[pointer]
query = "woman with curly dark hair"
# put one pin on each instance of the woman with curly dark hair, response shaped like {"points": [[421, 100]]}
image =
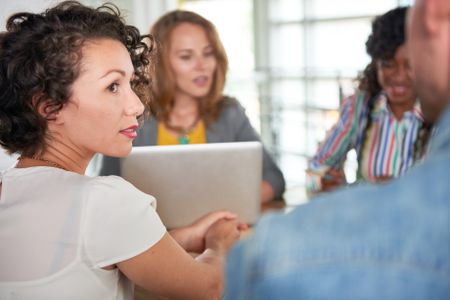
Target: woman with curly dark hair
{"points": [[71, 83], [381, 121]]}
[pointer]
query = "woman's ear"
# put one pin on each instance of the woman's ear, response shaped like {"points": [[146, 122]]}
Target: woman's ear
{"points": [[46, 110]]}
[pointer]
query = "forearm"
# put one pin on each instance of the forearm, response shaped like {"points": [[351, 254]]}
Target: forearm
{"points": [[214, 260], [182, 237], [206, 279], [342, 137], [179, 276]]}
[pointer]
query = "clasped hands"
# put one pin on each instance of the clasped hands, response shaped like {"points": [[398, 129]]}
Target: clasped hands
{"points": [[218, 230]]}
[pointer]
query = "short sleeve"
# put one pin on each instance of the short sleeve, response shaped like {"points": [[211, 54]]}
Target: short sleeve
{"points": [[120, 223]]}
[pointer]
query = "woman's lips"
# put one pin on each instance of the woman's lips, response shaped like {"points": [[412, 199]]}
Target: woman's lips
{"points": [[398, 90], [201, 81], [130, 132]]}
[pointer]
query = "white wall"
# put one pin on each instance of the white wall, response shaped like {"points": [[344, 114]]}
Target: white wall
{"points": [[9, 7], [146, 12]]}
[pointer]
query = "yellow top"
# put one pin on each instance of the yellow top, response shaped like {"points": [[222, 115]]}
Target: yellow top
{"points": [[197, 136]]}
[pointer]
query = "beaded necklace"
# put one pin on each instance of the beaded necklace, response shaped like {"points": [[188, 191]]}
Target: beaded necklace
{"points": [[183, 133], [50, 162]]}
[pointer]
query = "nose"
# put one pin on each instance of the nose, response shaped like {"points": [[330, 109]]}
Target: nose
{"points": [[402, 71], [200, 63], [134, 105]]}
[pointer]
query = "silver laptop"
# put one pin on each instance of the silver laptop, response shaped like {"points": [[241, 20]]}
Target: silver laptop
{"points": [[190, 180]]}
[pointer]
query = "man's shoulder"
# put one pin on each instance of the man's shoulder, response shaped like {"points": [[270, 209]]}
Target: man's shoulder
{"points": [[396, 229]]}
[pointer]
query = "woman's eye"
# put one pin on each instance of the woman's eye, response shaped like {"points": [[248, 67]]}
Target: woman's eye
{"points": [[113, 88], [387, 64], [185, 57], [407, 65], [210, 53]]}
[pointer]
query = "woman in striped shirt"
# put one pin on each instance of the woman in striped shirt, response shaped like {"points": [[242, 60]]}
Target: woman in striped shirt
{"points": [[381, 121]]}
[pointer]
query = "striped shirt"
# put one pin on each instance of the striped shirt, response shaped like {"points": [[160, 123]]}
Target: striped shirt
{"points": [[386, 148]]}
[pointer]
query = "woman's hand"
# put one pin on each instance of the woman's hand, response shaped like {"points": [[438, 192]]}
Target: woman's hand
{"points": [[222, 235], [333, 179], [192, 237], [267, 193]]}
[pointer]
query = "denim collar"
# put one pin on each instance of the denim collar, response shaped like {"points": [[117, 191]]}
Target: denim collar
{"points": [[440, 140]]}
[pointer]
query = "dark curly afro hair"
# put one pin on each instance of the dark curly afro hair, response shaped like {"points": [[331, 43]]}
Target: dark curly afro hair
{"points": [[388, 34], [40, 57]]}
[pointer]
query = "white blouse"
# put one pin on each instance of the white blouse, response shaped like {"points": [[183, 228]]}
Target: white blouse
{"points": [[58, 229]]}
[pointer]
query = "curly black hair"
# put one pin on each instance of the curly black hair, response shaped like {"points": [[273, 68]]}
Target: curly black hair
{"points": [[40, 57], [388, 34]]}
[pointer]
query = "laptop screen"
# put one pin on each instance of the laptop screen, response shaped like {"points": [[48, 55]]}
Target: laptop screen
{"points": [[189, 181]]}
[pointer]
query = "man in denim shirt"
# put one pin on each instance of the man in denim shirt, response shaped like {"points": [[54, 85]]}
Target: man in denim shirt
{"points": [[369, 242]]}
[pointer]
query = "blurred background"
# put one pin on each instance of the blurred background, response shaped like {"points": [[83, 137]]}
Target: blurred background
{"points": [[291, 63]]}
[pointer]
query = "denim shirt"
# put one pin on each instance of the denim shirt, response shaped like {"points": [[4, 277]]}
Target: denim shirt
{"points": [[368, 242]]}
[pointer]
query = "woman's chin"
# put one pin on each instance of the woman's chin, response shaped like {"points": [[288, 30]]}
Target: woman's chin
{"points": [[118, 152]]}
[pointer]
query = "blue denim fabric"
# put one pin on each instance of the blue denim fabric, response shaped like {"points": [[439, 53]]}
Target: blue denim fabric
{"points": [[368, 242]]}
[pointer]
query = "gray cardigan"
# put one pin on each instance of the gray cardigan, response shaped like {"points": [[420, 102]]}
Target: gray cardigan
{"points": [[231, 126]]}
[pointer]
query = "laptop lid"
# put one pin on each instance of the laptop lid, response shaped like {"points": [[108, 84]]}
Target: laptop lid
{"points": [[189, 181]]}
